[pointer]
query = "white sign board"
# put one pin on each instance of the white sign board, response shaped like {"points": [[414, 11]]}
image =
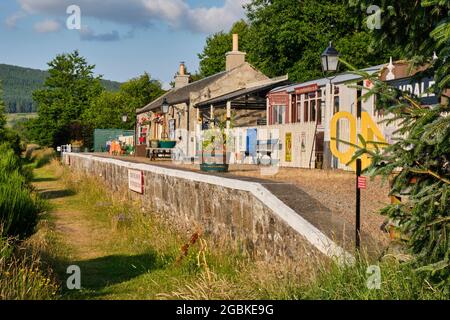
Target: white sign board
{"points": [[136, 181]]}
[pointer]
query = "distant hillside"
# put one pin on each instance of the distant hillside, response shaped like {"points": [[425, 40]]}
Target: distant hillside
{"points": [[19, 83]]}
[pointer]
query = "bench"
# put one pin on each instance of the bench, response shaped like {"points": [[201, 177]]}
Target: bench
{"points": [[159, 153]]}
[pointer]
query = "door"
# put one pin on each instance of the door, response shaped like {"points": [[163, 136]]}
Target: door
{"points": [[252, 137], [320, 137]]}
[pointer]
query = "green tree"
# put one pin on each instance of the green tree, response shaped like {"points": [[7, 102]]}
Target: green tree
{"points": [[68, 91], [419, 160], [106, 110], [212, 59], [6, 135], [413, 30], [289, 36], [2, 110], [285, 36]]}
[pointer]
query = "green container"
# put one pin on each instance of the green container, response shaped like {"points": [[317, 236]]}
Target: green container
{"points": [[215, 167], [167, 144]]}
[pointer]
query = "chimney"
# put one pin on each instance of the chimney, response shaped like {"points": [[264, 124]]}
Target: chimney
{"points": [[235, 58], [182, 78]]}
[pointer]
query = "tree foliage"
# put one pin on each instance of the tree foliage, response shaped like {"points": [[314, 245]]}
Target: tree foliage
{"points": [[20, 83], [6, 135], [419, 160], [106, 110], [67, 93], [212, 59], [284, 36]]}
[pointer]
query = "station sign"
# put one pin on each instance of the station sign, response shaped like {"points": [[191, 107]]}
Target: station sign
{"points": [[418, 88]]}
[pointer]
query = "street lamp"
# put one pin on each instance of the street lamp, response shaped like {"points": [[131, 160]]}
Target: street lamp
{"points": [[165, 106], [124, 118], [330, 59], [165, 111], [330, 64]]}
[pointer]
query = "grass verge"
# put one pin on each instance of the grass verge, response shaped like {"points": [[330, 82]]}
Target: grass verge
{"points": [[125, 252]]}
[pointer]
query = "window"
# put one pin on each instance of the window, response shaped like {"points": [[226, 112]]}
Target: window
{"points": [[313, 110], [336, 105], [312, 105], [279, 114], [299, 108], [172, 128], [305, 110]]}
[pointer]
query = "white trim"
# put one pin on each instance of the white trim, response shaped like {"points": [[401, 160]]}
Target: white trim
{"points": [[314, 236]]}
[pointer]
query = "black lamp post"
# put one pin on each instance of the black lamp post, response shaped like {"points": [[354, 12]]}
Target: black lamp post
{"points": [[330, 59], [330, 64], [165, 107]]}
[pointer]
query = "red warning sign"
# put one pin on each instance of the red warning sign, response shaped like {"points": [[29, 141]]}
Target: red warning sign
{"points": [[362, 182]]}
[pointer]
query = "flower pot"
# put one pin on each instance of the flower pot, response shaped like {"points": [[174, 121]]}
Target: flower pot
{"points": [[167, 144], [209, 163], [214, 167]]}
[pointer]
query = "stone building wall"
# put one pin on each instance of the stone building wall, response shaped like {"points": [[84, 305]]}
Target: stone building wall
{"points": [[225, 209]]}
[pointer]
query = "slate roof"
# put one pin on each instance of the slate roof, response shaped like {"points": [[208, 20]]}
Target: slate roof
{"points": [[340, 78], [241, 92], [180, 95]]}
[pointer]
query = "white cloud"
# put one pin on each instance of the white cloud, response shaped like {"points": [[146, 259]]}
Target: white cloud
{"points": [[177, 14], [47, 26], [214, 19], [88, 35], [12, 20]]}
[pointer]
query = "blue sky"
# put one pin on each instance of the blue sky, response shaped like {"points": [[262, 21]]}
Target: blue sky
{"points": [[123, 38]]}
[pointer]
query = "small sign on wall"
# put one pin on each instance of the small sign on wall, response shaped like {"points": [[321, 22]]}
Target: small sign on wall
{"points": [[136, 181]]}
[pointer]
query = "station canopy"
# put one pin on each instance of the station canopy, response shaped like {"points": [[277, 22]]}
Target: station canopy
{"points": [[252, 97]]}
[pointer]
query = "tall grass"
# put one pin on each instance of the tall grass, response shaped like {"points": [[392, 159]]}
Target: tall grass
{"points": [[19, 207], [205, 269], [398, 281], [22, 276]]}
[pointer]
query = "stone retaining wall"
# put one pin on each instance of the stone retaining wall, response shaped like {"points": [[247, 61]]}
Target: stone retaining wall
{"points": [[244, 213]]}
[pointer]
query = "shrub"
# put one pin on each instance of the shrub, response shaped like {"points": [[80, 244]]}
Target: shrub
{"points": [[9, 161], [19, 208]]}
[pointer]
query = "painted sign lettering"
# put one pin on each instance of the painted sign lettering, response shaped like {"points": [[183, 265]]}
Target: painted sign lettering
{"points": [[418, 88], [369, 131]]}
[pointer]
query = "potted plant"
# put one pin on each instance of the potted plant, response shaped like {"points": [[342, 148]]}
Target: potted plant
{"points": [[154, 143], [215, 156]]}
